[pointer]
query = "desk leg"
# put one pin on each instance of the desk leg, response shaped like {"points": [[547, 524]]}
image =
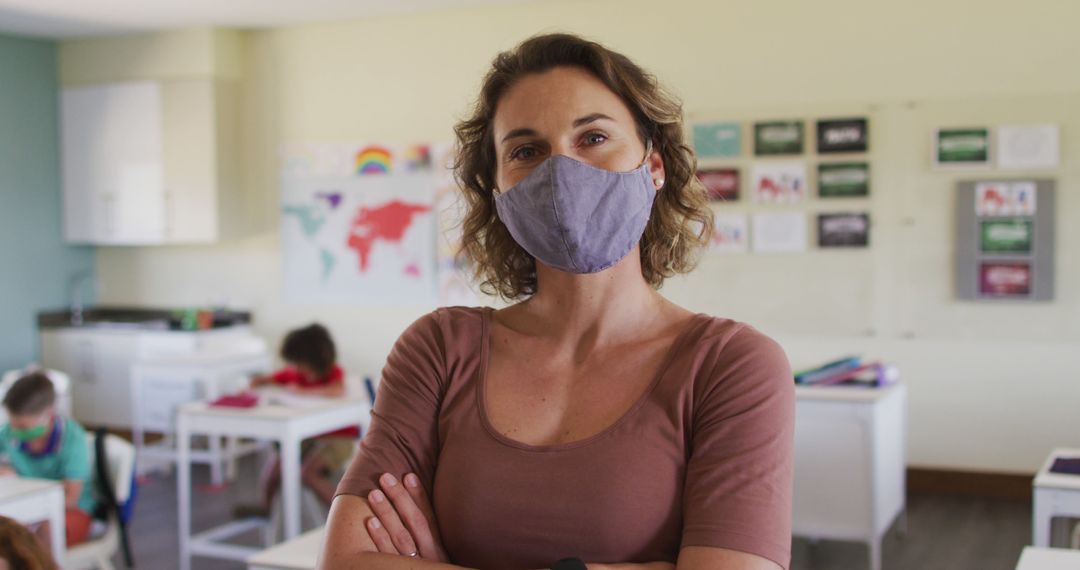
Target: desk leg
{"points": [[57, 528], [214, 444], [183, 489], [875, 553], [1040, 519], [290, 485]]}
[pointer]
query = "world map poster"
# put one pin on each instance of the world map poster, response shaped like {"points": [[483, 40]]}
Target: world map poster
{"points": [[360, 223]]}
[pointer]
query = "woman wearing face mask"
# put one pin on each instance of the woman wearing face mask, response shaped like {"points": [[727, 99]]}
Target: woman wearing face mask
{"points": [[41, 444], [593, 422]]}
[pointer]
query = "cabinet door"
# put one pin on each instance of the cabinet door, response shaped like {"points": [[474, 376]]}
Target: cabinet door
{"points": [[72, 352], [111, 153], [113, 355]]}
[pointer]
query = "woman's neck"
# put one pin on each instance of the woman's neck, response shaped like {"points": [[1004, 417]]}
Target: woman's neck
{"points": [[596, 309]]}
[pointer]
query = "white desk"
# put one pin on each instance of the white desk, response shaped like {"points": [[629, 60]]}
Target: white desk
{"points": [[34, 500], [300, 553], [1055, 495], [850, 461], [286, 425], [1034, 558], [160, 383]]}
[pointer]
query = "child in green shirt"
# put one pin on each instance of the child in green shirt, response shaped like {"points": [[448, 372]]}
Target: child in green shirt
{"points": [[37, 443]]}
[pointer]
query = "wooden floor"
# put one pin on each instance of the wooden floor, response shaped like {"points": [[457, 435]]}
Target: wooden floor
{"points": [[946, 533]]}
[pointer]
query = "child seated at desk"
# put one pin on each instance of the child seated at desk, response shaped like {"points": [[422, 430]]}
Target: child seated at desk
{"points": [[311, 369], [40, 444]]}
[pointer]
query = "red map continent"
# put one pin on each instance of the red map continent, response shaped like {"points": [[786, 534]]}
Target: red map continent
{"points": [[388, 222]]}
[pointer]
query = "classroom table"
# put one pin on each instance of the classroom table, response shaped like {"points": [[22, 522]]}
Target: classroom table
{"points": [[159, 383], [1036, 558], [1055, 495], [850, 461], [286, 424], [300, 553], [34, 500]]}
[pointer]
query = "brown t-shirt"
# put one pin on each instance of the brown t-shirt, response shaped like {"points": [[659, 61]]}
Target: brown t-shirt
{"points": [[704, 458]]}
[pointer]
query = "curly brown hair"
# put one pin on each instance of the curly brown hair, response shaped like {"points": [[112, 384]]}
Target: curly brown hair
{"points": [[21, 549], [681, 221]]}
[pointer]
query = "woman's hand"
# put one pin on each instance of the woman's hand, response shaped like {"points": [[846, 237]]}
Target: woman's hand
{"points": [[404, 522]]}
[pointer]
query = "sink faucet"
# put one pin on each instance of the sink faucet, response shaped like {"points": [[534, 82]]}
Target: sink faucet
{"points": [[76, 285]]}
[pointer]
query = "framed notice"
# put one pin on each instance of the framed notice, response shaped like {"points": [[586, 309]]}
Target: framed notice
{"points": [[841, 135], [778, 138], [717, 140], [721, 184], [1010, 279], [962, 148], [1006, 236], [844, 180], [843, 230]]}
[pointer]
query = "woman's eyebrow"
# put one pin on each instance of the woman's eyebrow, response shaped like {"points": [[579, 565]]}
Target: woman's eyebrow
{"points": [[519, 133], [593, 117], [526, 132]]}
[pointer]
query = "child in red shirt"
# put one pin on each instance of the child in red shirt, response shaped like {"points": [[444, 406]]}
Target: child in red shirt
{"points": [[311, 369]]}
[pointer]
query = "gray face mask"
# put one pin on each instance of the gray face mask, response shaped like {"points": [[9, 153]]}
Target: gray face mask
{"points": [[575, 217]]}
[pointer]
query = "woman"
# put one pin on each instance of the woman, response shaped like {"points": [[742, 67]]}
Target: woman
{"points": [[594, 422]]}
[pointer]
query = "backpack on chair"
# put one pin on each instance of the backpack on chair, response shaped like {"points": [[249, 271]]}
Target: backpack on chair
{"points": [[110, 506]]}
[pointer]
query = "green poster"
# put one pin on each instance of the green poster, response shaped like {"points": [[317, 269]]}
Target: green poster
{"points": [[778, 137], [963, 146], [717, 140], [843, 179], [1005, 236]]}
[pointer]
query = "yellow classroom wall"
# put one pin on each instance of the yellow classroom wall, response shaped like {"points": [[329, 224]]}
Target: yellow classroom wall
{"points": [[993, 387]]}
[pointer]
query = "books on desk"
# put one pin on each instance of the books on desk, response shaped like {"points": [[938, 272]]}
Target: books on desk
{"points": [[849, 371], [1066, 465]]}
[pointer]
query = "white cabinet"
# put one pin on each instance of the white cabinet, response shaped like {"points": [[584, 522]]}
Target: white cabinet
{"points": [[850, 461], [147, 162], [99, 362]]}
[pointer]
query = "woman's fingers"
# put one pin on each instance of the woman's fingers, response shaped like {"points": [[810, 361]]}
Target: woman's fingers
{"points": [[415, 520], [379, 536], [391, 522], [419, 496]]}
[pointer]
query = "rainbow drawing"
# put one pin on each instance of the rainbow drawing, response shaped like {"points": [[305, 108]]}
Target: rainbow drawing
{"points": [[373, 160]]}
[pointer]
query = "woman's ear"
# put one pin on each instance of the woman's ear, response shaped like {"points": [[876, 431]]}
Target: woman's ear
{"points": [[656, 168]]}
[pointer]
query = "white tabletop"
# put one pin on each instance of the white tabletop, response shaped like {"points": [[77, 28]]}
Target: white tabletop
{"points": [[32, 500], [1035, 558], [297, 554], [273, 406], [1044, 478], [12, 487], [840, 393]]}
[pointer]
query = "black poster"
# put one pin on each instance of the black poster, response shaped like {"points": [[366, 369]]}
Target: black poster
{"points": [[843, 230], [841, 135]]}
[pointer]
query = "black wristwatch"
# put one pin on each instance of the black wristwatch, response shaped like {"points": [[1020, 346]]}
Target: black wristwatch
{"points": [[569, 564]]}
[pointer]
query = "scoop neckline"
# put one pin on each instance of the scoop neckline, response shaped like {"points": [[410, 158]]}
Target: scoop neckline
{"points": [[481, 391]]}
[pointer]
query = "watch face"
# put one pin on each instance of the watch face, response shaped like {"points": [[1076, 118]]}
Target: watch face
{"points": [[570, 564]]}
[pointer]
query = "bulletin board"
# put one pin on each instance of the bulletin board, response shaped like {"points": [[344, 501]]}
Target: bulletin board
{"points": [[903, 284]]}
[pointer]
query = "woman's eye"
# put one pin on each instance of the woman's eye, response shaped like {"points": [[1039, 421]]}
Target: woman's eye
{"points": [[595, 138], [523, 153]]}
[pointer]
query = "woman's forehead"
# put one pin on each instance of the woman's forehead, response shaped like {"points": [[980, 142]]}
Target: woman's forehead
{"points": [[556, 99]]}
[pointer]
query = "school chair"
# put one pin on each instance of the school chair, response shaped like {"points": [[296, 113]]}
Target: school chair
{"points": [[97, 552]]}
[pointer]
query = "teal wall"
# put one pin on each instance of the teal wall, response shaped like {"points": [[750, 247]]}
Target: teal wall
{"points": [[35, 263]]}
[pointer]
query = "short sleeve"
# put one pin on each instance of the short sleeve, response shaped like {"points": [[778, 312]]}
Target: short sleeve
{"points": [[739, 477], [75, 457], [285, 376], [403, 437]]}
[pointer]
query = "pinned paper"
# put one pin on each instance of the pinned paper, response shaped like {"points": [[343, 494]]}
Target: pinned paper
{"points": [[782, 232], [1005, 199], [779, 182]]}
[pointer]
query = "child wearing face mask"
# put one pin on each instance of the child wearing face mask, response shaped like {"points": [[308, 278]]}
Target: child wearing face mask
{"points": [[38, 443], [310, 369]]}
